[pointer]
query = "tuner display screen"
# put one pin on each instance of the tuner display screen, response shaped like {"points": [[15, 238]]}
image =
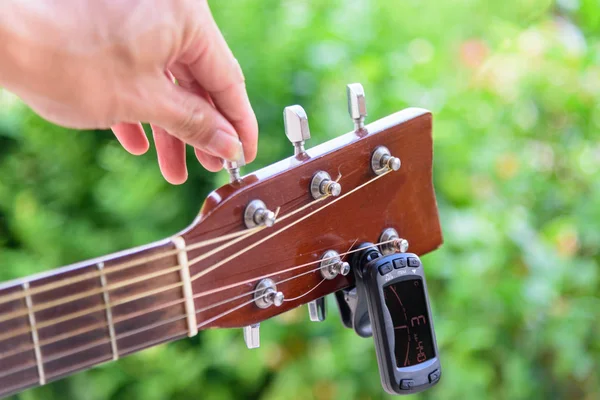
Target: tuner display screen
{"points": [[406, 303]]}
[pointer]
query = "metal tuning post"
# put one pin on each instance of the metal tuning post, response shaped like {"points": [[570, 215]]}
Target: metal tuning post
{"points": [[233, 166], [357, 106], [392, 243], [316, 310], [266, 294], [383, 161], [332, 265], [322, 185], [252, 336], [296, 127], [257, 214]]}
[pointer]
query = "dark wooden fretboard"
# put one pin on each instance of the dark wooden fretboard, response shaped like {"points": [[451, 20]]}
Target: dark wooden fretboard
{"points": [[49, 330]]}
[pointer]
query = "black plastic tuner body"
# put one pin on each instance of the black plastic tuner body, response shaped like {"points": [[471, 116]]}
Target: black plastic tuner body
{"points": [[392, 291]]}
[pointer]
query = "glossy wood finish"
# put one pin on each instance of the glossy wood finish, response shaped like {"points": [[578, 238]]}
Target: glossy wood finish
{"points": [[403, 200]]}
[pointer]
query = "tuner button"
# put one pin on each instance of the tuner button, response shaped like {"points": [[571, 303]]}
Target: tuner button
{"points": [[322, 185], [316, 310], [252, 336], [357, 106], [257, 214], [296, 127], [233, 166]]}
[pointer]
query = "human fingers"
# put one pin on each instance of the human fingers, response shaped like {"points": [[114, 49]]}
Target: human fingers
{"points": [[132, 137], [171, 156], [213, 65], [192, 119], [211, 163]]}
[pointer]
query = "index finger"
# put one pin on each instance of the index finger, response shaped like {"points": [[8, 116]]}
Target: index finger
{"points": [[214, 67]]}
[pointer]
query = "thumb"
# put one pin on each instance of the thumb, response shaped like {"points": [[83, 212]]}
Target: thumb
{"points": [[195, 121]]}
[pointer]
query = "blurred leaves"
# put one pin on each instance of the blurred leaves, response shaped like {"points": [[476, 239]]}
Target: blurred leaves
{"points": [[514, 87]]}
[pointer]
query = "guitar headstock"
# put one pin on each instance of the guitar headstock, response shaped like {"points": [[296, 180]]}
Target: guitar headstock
{"points": [[327, 198]]}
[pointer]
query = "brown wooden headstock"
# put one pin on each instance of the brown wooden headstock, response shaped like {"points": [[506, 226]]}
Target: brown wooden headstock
{"points": [[402, 199]]}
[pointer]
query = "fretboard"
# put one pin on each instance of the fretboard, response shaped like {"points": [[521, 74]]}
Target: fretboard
{"points": [[70, 319]]}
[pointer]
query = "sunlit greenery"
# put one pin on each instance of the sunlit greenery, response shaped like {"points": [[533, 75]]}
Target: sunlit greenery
{"points": [[514, 87]]}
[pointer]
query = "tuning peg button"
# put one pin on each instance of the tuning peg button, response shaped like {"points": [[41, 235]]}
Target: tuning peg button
{"points": [[252, 336], [357, 106], [316, 310], [296, 127], [233, 166]]}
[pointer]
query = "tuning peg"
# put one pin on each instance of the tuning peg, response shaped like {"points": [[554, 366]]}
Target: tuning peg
{"points": [[257, 214], [392, 242], [252, 336], [316, 310], [322, 185], [357, 106], [233, 166], [383, 161], [296, 127]]}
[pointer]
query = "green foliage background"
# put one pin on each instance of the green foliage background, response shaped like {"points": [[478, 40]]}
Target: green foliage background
{"points": [[514, 89]]}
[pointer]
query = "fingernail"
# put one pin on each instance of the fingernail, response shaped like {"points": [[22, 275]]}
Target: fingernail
{"points": [[225, 145]]}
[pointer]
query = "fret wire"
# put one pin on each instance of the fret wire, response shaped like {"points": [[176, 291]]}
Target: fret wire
{"points": [[71, 334], [34, 334], [109, 316], [188, 293], [237, 307], [90, 311], [92, 292], [202, 294], [246, 234], [121, 267], [158, 324], [171, 320], [101, 360]]}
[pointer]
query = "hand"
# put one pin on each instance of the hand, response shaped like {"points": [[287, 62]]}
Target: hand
{"points": [[103, 63]]}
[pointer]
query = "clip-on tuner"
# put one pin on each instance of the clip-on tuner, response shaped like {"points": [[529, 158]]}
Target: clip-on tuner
{"points": [[390, 303]]}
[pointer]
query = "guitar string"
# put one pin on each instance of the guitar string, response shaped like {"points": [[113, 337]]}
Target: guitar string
{"points": [[7, 316], [246, 234], [143, 260], [357, 188], [104, 341], [123, 266], [70, 334], [253, 245], [120, 267], [100, 308]]}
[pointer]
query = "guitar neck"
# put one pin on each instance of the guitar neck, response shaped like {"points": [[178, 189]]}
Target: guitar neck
{"points": [[70, 319]]}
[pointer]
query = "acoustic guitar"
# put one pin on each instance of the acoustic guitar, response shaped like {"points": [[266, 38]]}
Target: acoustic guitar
{"points": [[264, 244]]}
